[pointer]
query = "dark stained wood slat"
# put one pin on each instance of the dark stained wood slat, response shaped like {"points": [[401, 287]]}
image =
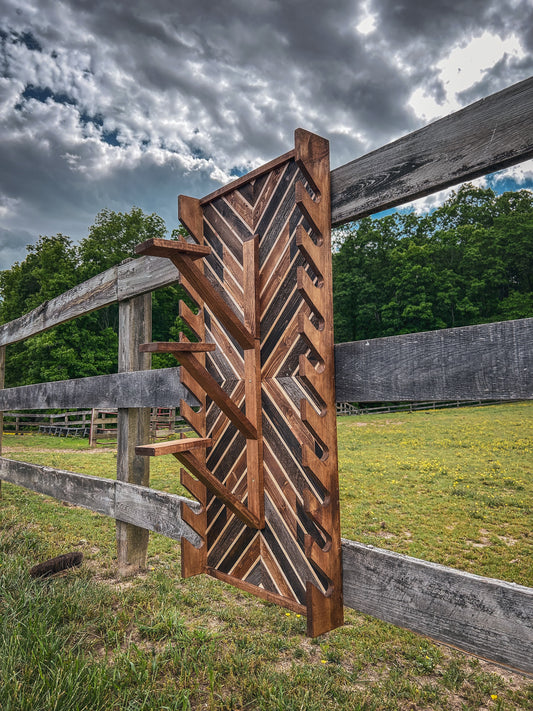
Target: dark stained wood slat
{"points": [[492, 361], [486, 136]]}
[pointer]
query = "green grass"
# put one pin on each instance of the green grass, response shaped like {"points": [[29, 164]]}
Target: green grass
{"points": [[450, 486]]}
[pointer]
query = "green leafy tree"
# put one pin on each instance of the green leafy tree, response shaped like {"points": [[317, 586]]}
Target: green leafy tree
{"points": [[89, 344], [469, 261]]}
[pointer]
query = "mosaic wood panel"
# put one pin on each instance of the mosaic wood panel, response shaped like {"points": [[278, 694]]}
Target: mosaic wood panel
{"points": [[260, 275]]}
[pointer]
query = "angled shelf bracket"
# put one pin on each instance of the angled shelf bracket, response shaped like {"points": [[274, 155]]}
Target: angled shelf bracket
{"points": [[260, 365]]}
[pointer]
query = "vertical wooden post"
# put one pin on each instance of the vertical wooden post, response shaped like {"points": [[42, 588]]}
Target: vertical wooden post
{"points": [[133, 428], [92, 431], [2, 377]]}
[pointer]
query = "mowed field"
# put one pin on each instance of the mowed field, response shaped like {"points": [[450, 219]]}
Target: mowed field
{"points": [[451, 486]]}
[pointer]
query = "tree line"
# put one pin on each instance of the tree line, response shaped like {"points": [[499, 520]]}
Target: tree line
{"points": [[469, 261], [87, 345]]}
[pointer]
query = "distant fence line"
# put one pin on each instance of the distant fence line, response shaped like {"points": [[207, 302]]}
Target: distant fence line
{"points": [[90, 424], [352, 408]]}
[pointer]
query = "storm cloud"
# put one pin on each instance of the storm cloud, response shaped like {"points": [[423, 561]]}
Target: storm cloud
{"points": [[106, 104]]}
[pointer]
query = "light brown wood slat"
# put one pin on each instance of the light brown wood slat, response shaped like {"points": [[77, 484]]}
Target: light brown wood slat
{"points": [[213, 389], [178, 445], [235, 184], [169, 248], [325, 609], [177, 347], [231, 501], [194, 560], [213, 299]]}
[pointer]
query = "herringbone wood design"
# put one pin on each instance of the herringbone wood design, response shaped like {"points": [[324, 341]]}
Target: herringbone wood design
{"points": [[295, 558]]}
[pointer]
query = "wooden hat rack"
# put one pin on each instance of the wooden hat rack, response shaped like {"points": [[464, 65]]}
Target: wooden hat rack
{"points": [[264, 464]]}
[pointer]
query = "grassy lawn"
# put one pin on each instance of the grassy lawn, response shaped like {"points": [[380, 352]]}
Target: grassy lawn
{"points": [[452, 486]]}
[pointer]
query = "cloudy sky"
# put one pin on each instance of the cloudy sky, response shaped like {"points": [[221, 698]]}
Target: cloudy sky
{"points": [[115, 103]]}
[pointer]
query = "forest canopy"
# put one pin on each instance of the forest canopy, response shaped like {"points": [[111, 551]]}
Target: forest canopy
{"points": [[469, 261], [89, 344]]}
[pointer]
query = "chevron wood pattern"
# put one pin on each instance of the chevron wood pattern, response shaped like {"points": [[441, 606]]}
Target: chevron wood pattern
{"points": [[264, 298]]}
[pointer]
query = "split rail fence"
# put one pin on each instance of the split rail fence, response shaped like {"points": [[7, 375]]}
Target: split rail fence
{"points": [[489, 618]]}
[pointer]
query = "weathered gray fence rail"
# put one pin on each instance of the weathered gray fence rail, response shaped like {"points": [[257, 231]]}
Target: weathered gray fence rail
{"points": [[142, 388], [493, 361], [149, 509], [490, 618], [487, 617], [491, 134], [129, 279]]}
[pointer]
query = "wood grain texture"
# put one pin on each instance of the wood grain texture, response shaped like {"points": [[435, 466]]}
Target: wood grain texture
{"points": [[257, 282], [493, 361], [150, 388], [134, 277], [138, 505], [179, 445], [489, 618], [133, 427], [489, 135], [168, 248]]}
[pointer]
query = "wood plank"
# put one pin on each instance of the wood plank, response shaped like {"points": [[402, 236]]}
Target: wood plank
{"points": [[153, 510], [133, 426], [177, 445], [486, 136], [150, 388], [252, 175], [492, 361], [139, 276], [177, 347], [167, 248], [486, 617], [133, 277], [199, 469]]}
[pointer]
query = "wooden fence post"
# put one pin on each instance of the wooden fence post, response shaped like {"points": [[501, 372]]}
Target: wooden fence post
{"points": [[133, 428]]}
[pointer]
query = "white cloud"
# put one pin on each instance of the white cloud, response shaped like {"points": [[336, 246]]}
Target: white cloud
{"points": [[464, 66], [120, 104]]}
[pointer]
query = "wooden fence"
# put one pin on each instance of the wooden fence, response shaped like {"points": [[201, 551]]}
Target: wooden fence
{"points": [[90, 424], [490, 618]]}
